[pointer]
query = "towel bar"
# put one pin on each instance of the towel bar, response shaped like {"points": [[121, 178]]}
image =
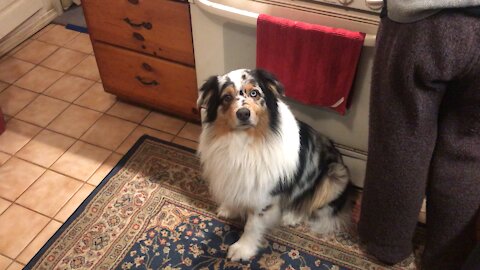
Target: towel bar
{"points": [[249, 18]]}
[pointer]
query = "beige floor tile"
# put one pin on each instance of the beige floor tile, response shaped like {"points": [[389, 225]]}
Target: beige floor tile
{"points": [[17, 175], [108, 132], [81, 43], [49, 193], [87, 69], [14, 99], [128, 112], [187, 143], [81, 160], [96, 98], [38, 79], [163, 122], [11, 69], [17, 135], [74, 203], [18, 227], [69, 88], [139, 132], [45, 148], [4, 262], [4, 157], [3, 86], [74, 121], [16, 266], [42, 110], [191, 132], [42, 31], [63, 59], [106, 167], [19, 47], [4, 204], [35, 52], [38, 242], [58, 35]]}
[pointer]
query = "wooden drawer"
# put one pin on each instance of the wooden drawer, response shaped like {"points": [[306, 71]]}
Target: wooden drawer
{"points": [[148, 80], [156, 27]]}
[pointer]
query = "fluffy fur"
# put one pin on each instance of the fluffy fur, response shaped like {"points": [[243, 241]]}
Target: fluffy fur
{"points": [[264, 165]]}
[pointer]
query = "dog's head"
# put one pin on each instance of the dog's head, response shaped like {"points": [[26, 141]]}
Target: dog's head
{"points": [[241, 100]]}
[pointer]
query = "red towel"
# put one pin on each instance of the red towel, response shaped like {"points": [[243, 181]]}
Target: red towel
{"points": [[315, 63]]}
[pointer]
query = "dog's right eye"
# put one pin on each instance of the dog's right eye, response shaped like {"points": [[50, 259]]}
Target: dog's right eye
{"points": [[227, 98]]}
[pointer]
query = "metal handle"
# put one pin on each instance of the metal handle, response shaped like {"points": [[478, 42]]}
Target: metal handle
{"points": [[145, 25], [231, 14], [374, 4], [133, 2], [140, 79]]}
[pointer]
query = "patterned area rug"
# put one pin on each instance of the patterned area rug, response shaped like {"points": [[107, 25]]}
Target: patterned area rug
{"points": [[153, 211]]}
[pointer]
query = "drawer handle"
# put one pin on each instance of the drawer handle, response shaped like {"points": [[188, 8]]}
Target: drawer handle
{"points": [[140, 79], [145, 25], [134, 2], [138, 36]]}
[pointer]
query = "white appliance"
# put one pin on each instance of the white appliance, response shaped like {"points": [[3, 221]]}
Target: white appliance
{"points": [[364, 5], [224, 36], [19, 19]]}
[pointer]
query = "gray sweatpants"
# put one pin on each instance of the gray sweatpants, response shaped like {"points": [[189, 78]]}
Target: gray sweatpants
{"points": [[424, 139]]}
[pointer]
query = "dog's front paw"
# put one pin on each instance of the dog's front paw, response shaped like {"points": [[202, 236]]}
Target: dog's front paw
{"points": [[240, 251], [290, 219], [226, 213]]}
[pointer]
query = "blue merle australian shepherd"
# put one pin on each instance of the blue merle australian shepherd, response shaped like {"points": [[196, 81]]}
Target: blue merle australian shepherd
{"points": [[264, 165]]}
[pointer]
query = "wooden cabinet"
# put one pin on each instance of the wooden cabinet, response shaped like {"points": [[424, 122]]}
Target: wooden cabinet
{"points": [[144, 52]]}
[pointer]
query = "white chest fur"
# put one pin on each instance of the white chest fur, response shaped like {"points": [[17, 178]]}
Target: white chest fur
{"points": [[241, 170]]}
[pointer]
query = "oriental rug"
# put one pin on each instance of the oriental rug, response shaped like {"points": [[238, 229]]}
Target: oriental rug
{"points": [[153, 211]]}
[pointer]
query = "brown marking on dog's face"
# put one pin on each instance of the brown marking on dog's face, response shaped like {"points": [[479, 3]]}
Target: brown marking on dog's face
{"points": [[259, 113], [221, 127], [248, 87], [226, 112], [227, 97]]}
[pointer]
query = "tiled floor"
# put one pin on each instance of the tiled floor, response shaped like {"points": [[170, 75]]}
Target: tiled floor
{"points": [[59, 143]]}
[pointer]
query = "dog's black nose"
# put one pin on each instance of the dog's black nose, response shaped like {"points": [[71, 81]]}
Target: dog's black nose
{"points": [[243, 114]]}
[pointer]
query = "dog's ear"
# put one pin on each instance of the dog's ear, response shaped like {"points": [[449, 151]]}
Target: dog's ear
{"points": [[208, 99], [206, 91], [270, 81]]}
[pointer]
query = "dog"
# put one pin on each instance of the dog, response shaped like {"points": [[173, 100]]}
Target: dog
{"points": [[264, 165]]}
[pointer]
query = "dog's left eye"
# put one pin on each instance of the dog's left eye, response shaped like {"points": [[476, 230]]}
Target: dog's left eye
{"points": [[254, 93]]}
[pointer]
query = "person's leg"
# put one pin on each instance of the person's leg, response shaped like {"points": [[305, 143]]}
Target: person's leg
{"points": [[413, 63], [453, 193], [473, 261]]}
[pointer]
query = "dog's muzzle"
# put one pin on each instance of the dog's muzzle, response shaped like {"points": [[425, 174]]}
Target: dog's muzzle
{"points": [[243, 114]]}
